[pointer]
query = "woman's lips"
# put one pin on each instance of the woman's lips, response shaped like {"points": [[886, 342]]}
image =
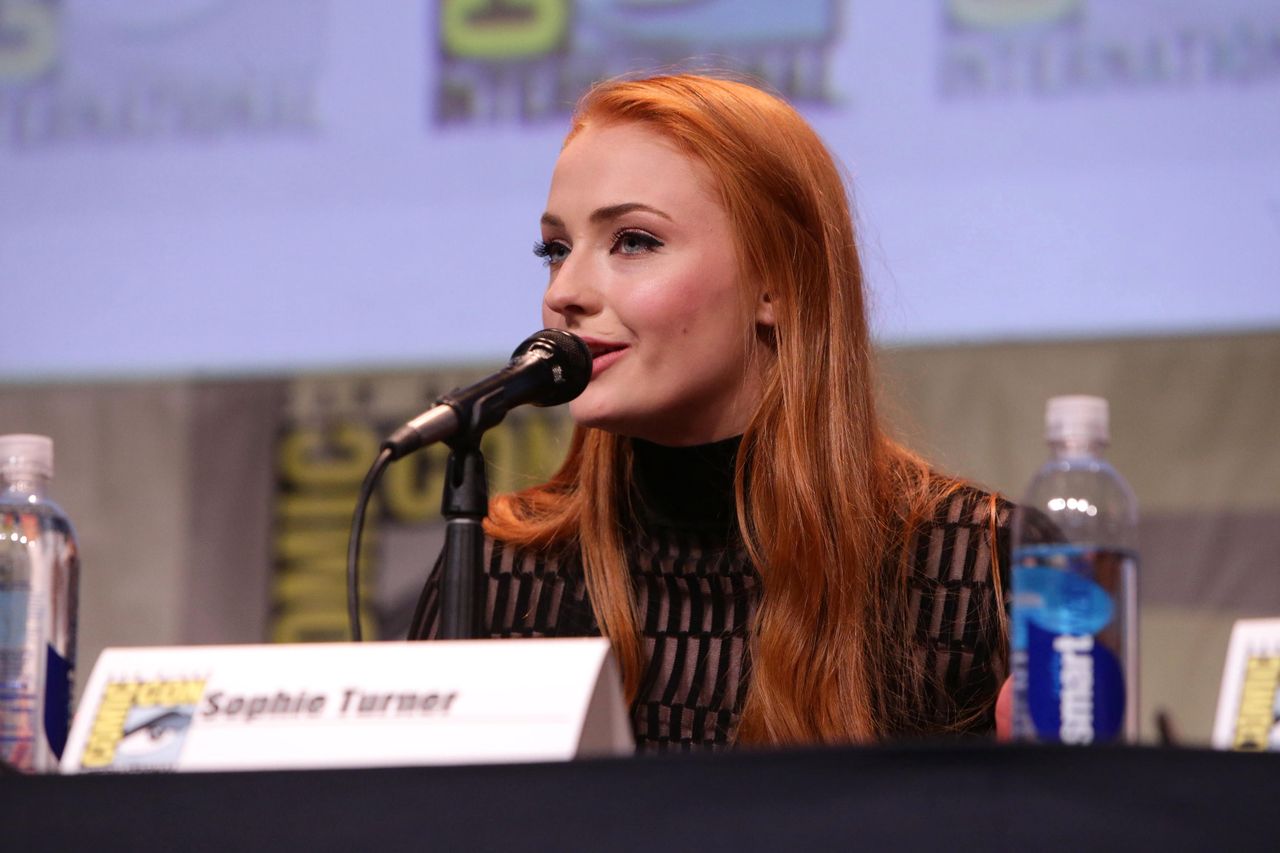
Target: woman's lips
{"points": [[601, 362], [603, 355]]}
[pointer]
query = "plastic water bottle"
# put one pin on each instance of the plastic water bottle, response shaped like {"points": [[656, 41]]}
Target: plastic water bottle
{"points": [[39, 572], [1075, 626]]}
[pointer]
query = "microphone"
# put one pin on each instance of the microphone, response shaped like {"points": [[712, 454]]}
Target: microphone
{"points": [[551, 367]]}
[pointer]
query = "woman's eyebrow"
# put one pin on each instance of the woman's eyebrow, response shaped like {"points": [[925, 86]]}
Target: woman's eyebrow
{"points": [[606, 214], [613, 211]]}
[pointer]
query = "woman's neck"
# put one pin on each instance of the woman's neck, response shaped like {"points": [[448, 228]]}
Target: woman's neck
{"points": [[686, 487]]}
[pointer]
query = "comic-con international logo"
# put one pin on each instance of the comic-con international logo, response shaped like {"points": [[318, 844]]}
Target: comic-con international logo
{"points": [[511, 61], [1258, 720], [138, 70], [1057, 48], [141, 725]]}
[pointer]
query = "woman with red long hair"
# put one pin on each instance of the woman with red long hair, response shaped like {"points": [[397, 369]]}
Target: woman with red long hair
{"points": [[769, 566]]}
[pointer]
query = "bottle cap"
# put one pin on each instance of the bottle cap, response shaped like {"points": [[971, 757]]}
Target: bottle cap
{"points": [[1077, 417], [26, 454]]}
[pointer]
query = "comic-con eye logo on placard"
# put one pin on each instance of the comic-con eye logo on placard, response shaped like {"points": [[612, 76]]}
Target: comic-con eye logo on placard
{"points": [[1080, 48], [141, 725], [137, 70], [516, 61]]}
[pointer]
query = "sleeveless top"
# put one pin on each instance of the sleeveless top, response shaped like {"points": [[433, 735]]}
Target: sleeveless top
{"points": [[696, 594]]}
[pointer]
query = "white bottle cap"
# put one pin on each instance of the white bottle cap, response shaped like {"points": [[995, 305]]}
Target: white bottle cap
{"points": [[22, 454], [1077, 418]]}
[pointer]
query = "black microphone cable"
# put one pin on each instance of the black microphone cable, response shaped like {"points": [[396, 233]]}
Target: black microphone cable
{"points": [[353, 542]]}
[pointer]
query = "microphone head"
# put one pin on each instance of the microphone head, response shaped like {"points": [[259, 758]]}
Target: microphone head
{"points": [[569, 361]]}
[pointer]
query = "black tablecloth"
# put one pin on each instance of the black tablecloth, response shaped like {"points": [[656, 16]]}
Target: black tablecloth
{"points": [[957, 797]]}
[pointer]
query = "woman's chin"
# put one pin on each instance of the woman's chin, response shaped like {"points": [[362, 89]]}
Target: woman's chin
{"points": [[589, 410]]}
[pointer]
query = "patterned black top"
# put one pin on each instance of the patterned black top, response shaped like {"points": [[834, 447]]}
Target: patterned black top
{"points": [[697, 592]]}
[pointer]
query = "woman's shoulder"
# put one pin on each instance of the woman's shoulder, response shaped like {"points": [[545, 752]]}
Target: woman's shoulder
{"points": [[967, 533], [968, 504], [502, 556], [527, 592], [971, 505], [970, 528]]}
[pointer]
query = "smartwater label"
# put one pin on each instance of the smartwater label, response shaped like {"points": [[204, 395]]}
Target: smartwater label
{"points": [[1067, 645]]}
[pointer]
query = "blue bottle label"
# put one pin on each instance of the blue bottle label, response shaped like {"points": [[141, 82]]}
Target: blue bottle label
{"points": [[1069, 678], [57, 700]]}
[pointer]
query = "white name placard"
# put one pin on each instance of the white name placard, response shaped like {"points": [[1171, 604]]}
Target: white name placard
{"points": [[348, 705], [1248, 715]]}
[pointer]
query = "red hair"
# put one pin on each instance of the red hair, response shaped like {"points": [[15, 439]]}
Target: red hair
{"points": [[831, 503]]}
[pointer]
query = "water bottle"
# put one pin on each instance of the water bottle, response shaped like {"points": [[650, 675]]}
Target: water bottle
{"points": [[39, 572], [1074, 621]]}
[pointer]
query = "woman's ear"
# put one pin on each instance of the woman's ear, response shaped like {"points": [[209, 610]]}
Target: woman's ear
{"points": [[764, 310]]}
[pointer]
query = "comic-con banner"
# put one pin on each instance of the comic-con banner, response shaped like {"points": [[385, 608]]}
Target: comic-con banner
{"points": [[520, 61], [130, 73], [330, 436], [992, 49]]}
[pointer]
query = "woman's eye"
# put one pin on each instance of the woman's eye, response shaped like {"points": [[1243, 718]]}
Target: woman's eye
{"points": [[634, 242], [552, 252]]}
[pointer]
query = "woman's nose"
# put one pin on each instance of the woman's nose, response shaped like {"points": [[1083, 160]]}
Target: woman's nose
{"points": [[571, 292]]}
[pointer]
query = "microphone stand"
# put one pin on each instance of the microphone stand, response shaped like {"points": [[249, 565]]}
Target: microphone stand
{"points": [[464, 506], [549, 368]]}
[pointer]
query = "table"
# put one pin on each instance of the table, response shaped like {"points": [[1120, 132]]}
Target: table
{"points": [[958, 796]]}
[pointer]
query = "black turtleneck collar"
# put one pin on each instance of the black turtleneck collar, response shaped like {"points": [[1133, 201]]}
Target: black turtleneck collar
{"points": [[686, 487]]}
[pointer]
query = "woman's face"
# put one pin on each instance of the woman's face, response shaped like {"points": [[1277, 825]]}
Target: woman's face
{"points": [[643, 268]]}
